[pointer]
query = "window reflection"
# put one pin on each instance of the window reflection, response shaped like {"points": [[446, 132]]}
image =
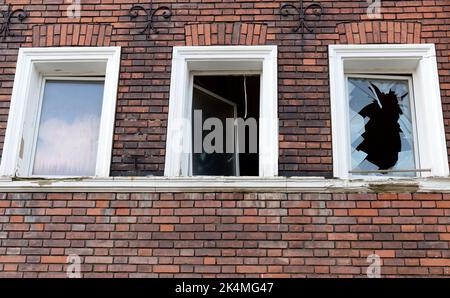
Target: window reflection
{"points": [[69, 128]]}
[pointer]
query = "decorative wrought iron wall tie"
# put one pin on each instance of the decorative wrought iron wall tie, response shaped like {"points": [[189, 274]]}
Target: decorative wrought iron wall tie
{"points": [[7, 16], [150, 14], [302, 12]]}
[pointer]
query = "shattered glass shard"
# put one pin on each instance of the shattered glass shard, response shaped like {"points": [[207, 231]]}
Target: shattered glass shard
{"points": [[381, 124]]}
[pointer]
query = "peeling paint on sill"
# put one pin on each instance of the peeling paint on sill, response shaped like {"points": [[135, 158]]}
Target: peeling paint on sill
{"points": [[49, 181], [394, 188], [223, 184]]}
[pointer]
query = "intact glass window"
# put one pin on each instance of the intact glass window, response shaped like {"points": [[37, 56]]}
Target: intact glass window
{"points": [[382, 125], [68, 128], [61, 117]]}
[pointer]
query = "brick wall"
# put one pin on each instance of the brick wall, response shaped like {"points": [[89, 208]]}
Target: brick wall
{"points": [[304, 112], [224, 234]]}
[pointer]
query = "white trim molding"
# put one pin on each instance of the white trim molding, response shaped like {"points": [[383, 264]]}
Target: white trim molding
{"points": [[33, 65], [223, 184], [417, 60], [227, 60]]}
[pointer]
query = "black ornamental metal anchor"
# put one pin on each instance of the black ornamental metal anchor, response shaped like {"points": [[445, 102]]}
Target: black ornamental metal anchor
{"points": [[302, 12], [8, 15], [151, 15]]}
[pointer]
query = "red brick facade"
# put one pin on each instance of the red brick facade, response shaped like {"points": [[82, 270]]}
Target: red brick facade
{"points": [[224, 234], [305, 126]]}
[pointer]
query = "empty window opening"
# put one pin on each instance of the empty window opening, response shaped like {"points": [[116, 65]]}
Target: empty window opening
{"points": [[382, 125], [225, 113]]}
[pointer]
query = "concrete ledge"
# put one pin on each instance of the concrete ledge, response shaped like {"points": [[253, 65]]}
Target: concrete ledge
{"points": [[225, 184]]}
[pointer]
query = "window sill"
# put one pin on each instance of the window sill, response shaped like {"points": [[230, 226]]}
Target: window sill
{"points": [[225, 184]]}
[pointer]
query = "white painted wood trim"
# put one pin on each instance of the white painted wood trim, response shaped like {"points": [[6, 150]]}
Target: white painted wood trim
{"points": [[419, 60], [230, 59], [107, 124], [26, 74]]}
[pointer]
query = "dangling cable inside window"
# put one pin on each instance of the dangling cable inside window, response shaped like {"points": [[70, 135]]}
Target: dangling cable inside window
{"points": [[245, 96]]}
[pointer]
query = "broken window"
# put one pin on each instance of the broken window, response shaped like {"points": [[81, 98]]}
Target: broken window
{"points": [[382, 125], [225, 113], [69, 125]]}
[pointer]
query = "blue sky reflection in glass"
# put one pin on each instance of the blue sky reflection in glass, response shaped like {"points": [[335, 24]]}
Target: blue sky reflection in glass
{"points": [[69, 128]]}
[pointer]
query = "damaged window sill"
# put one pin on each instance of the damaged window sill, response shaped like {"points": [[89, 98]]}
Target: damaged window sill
{"points": [[224, 184]]}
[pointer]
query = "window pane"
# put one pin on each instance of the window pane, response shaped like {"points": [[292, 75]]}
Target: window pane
{"points": [[213, 164], [69, 128], [381, 126]]}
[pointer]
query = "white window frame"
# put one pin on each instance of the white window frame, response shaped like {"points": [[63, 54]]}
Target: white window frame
{"points": [[34, 67], [417, 60], [221, 60]]}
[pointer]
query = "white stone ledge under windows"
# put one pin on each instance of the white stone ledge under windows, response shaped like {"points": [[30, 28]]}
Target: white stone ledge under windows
{"points": [[224, 184]]}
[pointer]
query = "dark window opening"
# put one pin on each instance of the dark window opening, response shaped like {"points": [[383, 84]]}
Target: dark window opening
{"points": [[227, 97]]}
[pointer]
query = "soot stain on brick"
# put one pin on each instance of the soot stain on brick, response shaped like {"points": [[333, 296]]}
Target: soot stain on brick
{"points": [[382, 140]]}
